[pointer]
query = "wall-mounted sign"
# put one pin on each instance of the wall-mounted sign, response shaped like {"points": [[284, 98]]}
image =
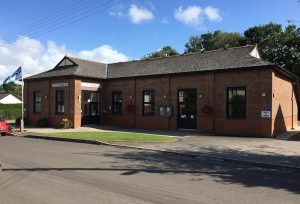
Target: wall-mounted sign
{"points": [[165, 111], [268, 107], [90, 86], [265, 114], [60, 85]]}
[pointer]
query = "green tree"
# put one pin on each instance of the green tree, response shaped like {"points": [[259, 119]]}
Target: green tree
{"points": [[164, 52], [276, 45], [11, 87], [213, 41]]}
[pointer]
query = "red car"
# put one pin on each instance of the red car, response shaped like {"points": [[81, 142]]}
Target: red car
{"points": [[3, 127]]}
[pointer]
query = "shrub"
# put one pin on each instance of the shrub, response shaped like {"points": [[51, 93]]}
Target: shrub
{"points": [[42, 122], [66, 123], [10, 111]]}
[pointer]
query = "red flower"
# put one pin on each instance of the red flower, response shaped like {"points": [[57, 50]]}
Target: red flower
{"points": [[206, 110], [128, 109]]}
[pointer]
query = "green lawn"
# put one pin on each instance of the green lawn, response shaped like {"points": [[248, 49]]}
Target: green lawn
{"points": [[111, 136]]}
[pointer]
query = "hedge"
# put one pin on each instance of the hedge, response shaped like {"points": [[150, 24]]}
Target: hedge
{"points": [[10, 111]]}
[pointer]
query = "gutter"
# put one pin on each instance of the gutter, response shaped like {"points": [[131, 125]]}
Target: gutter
{"points": [[287, 73]]}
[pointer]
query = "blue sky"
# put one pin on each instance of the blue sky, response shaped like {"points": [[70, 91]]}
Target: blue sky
{"points": [[129, 30]]}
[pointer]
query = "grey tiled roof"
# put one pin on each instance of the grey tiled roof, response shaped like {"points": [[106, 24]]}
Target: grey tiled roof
{"points": [[3, 95], [232, 58], [83, 68]]}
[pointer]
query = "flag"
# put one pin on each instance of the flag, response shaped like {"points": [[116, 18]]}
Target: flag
{"points": [[17, 75]]}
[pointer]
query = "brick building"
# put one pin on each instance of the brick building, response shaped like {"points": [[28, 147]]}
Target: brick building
{"points": [[229, 91]]}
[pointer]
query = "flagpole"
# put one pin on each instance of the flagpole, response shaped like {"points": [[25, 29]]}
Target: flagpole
{"points": [[22, 119]]}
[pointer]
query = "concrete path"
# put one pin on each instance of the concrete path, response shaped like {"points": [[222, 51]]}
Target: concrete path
{"points": [[260, 150]]}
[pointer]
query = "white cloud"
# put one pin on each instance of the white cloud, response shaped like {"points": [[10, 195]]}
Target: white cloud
{"points": [[36, 57], [195, 15], [213, 14], [104, 53], [192, 15], [138, 15]]}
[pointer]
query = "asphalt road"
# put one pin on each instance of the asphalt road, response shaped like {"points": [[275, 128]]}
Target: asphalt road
{"points": [[39, 171]]}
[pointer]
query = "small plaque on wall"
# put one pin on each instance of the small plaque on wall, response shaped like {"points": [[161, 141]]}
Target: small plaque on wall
{"points": [[165, 111], [265, 114], [60, 85]]}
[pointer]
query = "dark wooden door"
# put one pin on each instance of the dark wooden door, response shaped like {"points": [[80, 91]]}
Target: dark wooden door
{"points": [[187, 109], [90, 108]]}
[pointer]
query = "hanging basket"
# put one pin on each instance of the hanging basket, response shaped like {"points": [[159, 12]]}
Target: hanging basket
{"points": [[128, 109], [207, 110]]}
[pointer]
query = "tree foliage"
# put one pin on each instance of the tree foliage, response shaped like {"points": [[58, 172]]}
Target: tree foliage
{"points": [[11, 87], [164, 52], [213, 41], [277, 45]]}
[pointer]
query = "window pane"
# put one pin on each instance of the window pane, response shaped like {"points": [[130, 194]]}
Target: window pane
{"points": [[148, 103], [90, 96], [236, 95], [236, 110], [117, 97], [147, 108], [60, 102], [37, 99], [37, 108], [236, 107], [117, 102], [147, 98], [181, 96]]}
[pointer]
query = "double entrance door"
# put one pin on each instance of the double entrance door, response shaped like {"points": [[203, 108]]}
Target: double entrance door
{"points": [[187, 109], [90, 108]]}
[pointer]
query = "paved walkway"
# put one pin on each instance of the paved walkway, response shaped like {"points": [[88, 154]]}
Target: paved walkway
{"points": [[261, 150]]}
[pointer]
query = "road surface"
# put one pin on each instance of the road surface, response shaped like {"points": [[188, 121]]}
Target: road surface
{"points": [[39, 171]]}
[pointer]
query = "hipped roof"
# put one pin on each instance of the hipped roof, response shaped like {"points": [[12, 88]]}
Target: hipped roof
{"points": [[225, 59]]}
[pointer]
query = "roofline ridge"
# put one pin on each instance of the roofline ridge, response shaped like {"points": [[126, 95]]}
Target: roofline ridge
{"points": [[90, 60], [187, 54]]}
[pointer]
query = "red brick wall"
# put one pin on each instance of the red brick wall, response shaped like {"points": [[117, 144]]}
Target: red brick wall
{"points": [[257, 82], [48, 100], [211, 90], [127, 88]]}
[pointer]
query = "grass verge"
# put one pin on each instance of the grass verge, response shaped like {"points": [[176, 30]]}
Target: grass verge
{"points": [[108, 136]]}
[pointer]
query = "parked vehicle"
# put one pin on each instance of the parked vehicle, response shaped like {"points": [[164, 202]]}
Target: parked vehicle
{"points": [[3, 126]]}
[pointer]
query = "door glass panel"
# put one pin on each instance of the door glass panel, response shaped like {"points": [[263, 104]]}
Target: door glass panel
{"points": [[181, 96], [94, 109], [90, 96], [187, 108], [86, 110]]}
